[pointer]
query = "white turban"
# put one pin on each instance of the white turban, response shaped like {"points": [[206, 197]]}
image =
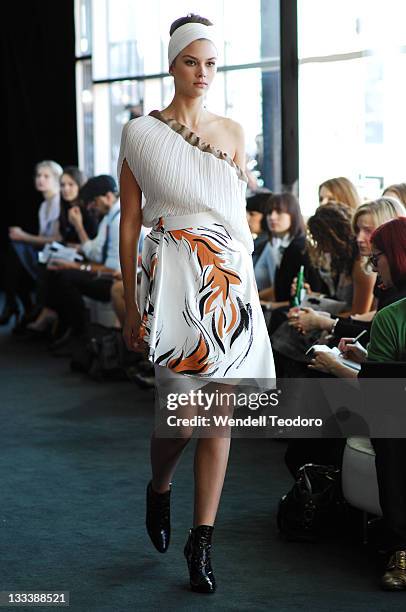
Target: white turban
{"points": [[186, 34]]}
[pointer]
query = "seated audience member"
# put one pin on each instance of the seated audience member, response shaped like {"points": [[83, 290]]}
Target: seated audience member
{"points": [[343, 273], [339, 190], [21, 263], [388, 332], [397, 191], [71, 181], [257, 209], [330, 231], [367, 218], [72, 280], [387, 344], [284, 252]]}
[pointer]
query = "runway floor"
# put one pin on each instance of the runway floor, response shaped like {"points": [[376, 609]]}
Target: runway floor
{"points": [[73, 468]]}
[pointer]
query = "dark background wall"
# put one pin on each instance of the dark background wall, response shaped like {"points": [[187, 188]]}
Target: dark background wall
{"points": [[38, 114]]}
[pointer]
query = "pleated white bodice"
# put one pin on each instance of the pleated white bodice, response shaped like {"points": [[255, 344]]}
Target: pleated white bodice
{"points": [[179, 174]]}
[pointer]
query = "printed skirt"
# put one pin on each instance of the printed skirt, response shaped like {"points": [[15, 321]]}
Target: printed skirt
{"points": [[201, 314]]}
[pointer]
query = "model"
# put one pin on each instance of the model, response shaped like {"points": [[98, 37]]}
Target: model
{"points": [[199, 314]]}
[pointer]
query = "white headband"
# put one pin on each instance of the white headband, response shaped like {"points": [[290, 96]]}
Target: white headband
{"points": [[186, 34]]}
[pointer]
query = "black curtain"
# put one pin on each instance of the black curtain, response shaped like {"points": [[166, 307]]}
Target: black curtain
{"points": [[38, 118]]}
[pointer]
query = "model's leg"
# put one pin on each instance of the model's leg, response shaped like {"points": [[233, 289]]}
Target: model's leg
{"points": [[211, 458], [165, 454], [210, 466]]}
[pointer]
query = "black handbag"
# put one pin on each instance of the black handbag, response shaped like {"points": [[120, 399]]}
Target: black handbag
{"points": [[103, 355], [313, 505]]}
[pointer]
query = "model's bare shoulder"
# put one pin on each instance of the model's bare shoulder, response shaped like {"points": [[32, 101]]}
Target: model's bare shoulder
{"points": [[238, 137]]}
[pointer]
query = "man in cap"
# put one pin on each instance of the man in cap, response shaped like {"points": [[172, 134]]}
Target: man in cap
{"points": [[93, 278]]}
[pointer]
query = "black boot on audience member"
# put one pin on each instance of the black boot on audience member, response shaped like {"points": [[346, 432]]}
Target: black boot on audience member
{"points": [[394, 579], [158, 518], [197, 552]]}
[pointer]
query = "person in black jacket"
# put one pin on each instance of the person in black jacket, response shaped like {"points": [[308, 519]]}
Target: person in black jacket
{"points": [[72, 180], [284, 253]]}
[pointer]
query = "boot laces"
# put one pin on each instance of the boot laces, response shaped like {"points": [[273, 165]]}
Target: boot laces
{"points": [[401, 559]]}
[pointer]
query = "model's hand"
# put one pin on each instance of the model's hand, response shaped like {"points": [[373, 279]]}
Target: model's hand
{"points": [[18, 234], [323, 362], [355, 352], [117, 275], [75, 216], [132, 330]]}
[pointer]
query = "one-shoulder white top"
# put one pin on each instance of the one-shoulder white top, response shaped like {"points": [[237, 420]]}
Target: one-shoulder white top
{"points": [[179, 174]]}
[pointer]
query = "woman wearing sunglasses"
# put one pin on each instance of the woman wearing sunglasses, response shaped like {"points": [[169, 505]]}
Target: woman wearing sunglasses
{"points": [[387, 344]]}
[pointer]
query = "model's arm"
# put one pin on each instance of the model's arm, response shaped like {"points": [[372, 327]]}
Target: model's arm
{"points": [[130, 228]]}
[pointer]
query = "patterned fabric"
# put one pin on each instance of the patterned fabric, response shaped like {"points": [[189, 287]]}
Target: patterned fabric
{"points": [[199, 302], [198, 297]]}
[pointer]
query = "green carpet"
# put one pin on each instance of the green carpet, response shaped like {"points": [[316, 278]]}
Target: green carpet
{"points": [[73, 468]]}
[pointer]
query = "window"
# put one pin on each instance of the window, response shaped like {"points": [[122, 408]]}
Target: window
{"points": [[352, 58], [127, 55]]}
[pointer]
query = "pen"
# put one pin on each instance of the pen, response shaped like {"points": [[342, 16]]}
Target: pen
{"points": [[364, 331]]}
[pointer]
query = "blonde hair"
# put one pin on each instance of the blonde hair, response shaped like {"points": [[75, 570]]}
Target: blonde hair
{"points": [[54, 167], [381, 210], [399, 189], [343, 191]]}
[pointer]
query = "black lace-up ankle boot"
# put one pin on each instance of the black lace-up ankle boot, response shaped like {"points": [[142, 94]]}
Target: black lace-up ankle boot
{"points": [[158, 518], [197, 553]]}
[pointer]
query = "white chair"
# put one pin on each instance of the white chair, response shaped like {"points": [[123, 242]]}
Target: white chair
{"points": [[102, 313], [359, 482]]}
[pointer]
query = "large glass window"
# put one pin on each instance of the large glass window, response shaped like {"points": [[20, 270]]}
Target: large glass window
{"points": [[128, 45], [352, 58]]}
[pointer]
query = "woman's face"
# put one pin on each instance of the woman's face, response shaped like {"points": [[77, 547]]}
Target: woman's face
{"points": [[380, 264], [254, 218], [45, 180], [325, 195], [279, 222], [365, 228], [194, 68], [69, 188]]}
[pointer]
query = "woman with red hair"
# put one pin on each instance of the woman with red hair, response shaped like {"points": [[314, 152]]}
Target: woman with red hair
{"points": [[388, 344]]}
